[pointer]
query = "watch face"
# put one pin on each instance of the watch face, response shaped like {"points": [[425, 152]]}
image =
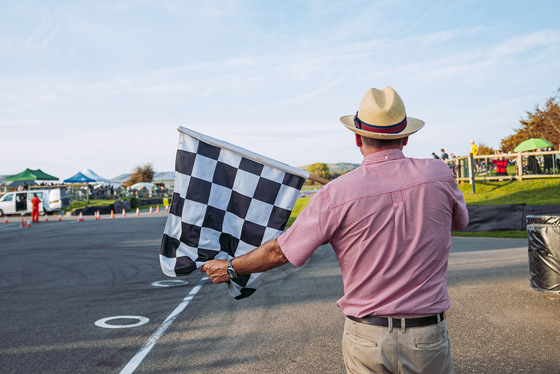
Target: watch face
{"points": [[231, 270]]}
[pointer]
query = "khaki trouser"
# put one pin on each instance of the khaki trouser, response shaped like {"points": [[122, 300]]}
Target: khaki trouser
{"points": [[378, 349]]}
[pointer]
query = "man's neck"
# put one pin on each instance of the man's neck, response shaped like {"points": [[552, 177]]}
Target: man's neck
{"points": [[366, 151]]}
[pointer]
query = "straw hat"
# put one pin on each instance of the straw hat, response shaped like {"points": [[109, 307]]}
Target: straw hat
{"points": [[382, 116]]}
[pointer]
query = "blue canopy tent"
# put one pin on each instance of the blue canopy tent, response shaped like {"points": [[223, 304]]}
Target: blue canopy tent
{"points": [[79, 178]]}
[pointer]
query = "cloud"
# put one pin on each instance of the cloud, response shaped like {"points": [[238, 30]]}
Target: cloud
{"points": [[527, 44], [43, 35]]}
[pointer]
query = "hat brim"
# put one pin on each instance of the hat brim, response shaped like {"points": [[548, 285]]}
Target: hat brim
{"points": [[412, 125]]}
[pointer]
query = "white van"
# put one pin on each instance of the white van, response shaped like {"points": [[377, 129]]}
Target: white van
{"points": [[19, 202]]}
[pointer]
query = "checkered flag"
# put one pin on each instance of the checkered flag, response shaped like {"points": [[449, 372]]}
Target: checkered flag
{"points": [[226, 202]]}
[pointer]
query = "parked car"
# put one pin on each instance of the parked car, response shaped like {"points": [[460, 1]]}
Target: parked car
{"points": [[19, 202]]}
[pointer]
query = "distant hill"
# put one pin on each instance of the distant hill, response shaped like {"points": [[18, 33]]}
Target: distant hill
{"points": [[340, 167]]}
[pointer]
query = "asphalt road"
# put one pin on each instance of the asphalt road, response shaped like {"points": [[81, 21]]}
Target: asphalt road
{"points": [[58, 279]]}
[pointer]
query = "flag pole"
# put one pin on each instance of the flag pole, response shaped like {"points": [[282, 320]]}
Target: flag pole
{"points": [[318, 179]]}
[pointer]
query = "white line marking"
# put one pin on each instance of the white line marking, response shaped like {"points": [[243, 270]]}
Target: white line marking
{"points": [[170, 283], [103, 322], [147, 347]]}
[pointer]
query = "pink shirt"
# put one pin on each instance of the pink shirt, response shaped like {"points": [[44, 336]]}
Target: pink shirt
{"points": [[389, 222]]}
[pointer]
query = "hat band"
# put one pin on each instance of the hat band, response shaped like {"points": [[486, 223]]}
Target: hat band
{"points": [[392, 129]]}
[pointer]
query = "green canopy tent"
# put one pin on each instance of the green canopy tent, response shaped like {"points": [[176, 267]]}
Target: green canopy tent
{"points": [[31, 175]]}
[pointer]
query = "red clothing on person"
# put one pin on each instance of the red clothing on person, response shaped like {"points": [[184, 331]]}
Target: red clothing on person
{"points": [[35, 212], [389, 222], [500, 166]]}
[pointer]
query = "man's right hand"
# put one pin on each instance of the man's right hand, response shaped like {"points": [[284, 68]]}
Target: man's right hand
{"points": [[216, 270]]}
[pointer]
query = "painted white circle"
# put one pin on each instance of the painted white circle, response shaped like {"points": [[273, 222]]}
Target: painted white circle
{"points": [[170, 283], [103, 322]]}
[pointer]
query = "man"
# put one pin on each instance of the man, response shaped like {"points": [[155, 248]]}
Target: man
{"points": [[435, 156], [35, 201], [474, 152], [444, 156], [474, 148], [389, 222]]}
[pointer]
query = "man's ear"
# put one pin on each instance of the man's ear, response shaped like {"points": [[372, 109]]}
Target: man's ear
{"points": [[405, 141], [358, 140]]}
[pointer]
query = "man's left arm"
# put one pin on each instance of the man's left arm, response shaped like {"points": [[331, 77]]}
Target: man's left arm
{"points": [[261, 259], [460, 218]]}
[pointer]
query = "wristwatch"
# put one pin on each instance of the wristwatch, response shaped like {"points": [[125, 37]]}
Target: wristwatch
{"points": [[230, 270]]}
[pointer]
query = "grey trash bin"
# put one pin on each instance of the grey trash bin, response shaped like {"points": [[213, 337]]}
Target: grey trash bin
{"points": [[543, 234]]}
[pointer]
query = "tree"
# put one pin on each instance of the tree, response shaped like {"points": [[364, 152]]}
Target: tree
{"points": [[541, 123], [483, 149], [141, 174], [320, 169]]}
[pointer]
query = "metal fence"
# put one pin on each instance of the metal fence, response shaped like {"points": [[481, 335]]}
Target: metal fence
{"points": [[86, 193]]}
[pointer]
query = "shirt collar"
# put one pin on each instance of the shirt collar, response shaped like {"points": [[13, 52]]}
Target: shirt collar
{"points": [[386, 155]]}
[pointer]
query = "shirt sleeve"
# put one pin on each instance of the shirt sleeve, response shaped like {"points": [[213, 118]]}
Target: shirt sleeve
{"points": [[460, 212], [314, 226]]}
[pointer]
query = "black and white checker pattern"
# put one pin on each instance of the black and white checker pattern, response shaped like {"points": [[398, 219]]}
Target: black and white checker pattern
{"points": [[224, 205]]}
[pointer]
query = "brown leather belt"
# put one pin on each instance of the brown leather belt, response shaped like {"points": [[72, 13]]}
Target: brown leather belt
{"points": [[408, 322]]}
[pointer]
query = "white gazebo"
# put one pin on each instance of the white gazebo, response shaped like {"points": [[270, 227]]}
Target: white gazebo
{"points": [[91, 174]]}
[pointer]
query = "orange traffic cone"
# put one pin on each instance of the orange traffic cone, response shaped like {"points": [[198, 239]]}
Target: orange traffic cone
{"points": [[123, 213], [137, 211], [151, 211], [6, 220], [59, 219], [157, 209], [112, 214], [28, 223], [80, 217], [46, 217], [95, 215], [22, 224], [167, 207]]}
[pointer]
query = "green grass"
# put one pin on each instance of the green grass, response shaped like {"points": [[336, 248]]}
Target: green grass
{"points": [[301, 203], [491, 234], [530, 192], [82, 204]]}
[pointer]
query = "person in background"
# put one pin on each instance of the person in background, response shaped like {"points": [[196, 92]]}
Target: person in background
{"points": [[533, 165], [455, 166], [501, 162], [35, 201], [474, 152], [540, 158], [389, 223], [548, 163], [444, 156], [435, 156]]}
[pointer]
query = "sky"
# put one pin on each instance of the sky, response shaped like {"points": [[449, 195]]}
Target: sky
{"points": [[105, 84]]}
